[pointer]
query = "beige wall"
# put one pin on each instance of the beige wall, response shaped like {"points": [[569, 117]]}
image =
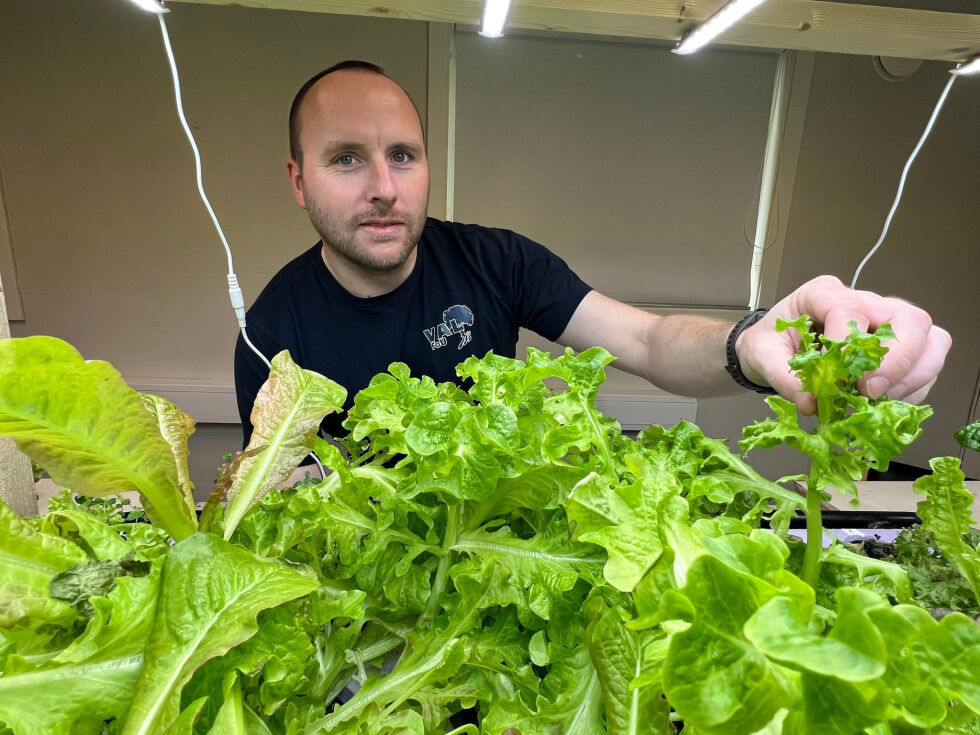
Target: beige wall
{"points": [[612, 153], [115, 253]]}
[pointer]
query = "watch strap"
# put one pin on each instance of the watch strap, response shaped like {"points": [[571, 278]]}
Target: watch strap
{"points": [[733, 367]]}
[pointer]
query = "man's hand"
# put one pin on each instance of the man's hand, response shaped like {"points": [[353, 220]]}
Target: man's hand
{"points": [[908, 371]]}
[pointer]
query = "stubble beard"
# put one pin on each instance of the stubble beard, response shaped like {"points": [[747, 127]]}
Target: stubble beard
{"points": [[341, 238]]}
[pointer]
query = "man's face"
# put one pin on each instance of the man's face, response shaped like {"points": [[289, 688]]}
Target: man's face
{"points": [[364, 179]]}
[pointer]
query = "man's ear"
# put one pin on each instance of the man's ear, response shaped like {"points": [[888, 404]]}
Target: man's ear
{"points": [[295, 173]]}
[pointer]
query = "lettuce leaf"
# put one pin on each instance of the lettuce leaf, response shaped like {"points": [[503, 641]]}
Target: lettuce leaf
{"points": [[91, 680], [211, 592], [88, 429], [29, 560], [946, 512], [287, 414]]}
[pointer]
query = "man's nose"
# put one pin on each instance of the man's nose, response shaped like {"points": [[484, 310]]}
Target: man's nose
{"points": [[381, 187]]}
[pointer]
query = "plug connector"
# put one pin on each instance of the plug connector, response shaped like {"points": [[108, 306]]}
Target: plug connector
{"points": [[237, 299]]}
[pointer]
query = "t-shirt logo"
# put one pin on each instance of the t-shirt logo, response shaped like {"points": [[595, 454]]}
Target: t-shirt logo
{"points": [[455, 319]]}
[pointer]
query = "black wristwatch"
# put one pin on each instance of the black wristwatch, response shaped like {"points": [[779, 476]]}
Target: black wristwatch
{"points": [[733, 366]]}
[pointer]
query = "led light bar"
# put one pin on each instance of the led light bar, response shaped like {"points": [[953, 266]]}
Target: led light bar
{"points": [[970, 67], [494, 17], [154, 6], [726, 16]]}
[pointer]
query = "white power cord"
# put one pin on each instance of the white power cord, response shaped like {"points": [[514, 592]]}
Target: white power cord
{"points": [[905, 173], [234, 291]]}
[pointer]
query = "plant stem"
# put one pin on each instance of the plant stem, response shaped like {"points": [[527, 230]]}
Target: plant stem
{"points": [[382, 646], [814, 534], [453, 513], [365, 457]]}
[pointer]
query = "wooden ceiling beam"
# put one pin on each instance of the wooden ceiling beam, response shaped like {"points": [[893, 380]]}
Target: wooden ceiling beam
{"points": [[804, 25]]}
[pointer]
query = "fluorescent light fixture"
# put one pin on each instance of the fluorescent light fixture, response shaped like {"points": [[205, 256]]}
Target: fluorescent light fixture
{"points": [[494, 17], [727, 16], [970, 67], [154, 6]]}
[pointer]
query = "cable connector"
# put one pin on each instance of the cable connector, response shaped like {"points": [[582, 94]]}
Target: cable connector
{"points": [[970, 66], [237, 299]]}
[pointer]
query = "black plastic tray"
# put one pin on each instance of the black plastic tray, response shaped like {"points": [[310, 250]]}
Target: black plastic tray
{"points": [[861, 519]]}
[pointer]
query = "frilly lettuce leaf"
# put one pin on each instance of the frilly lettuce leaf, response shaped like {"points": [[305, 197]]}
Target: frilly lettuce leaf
{"points": [[854, 432], [632, 521], [946, 512], [969, 436], [546, 566]]}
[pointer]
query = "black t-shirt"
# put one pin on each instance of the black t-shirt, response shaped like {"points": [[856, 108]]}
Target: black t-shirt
{"points": [[470, 291]]}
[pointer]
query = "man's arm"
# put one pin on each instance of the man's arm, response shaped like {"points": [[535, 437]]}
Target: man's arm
{"points": [[686, 354], [681, 354]]}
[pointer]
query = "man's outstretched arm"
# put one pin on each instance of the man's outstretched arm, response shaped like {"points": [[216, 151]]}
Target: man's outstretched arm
{"points": [[686, 354]]}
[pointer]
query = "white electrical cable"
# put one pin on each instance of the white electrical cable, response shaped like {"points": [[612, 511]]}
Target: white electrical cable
{"points": [[234, 291], [190, 138], [905, 173]]}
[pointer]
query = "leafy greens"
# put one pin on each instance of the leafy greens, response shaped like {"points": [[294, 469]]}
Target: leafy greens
{"points": [[503, 550]]}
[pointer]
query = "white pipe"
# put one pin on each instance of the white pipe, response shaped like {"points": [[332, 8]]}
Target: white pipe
{"points": [[770, 169]]}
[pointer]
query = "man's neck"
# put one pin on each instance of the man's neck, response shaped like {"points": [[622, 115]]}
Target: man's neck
{"points": [[365, 283]]}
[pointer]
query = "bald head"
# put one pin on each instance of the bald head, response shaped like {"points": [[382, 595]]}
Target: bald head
{"points": [[342, 78]]}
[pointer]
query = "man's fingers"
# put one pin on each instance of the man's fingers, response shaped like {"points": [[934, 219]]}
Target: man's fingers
{"points": [[790, 388], [907, 371], [806, 403], [917, 354], [914, 358], [829, 303], [846, 309], [922, 375], [920, 395]]}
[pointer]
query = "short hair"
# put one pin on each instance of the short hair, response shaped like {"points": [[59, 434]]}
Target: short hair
{"points": [[294, 118]]}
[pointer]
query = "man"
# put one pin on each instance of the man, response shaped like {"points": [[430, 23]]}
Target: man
{"points": [[387, 284]]}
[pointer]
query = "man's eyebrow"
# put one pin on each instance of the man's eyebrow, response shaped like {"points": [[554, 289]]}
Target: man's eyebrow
{"points": [[336, 146], [411, 145]]}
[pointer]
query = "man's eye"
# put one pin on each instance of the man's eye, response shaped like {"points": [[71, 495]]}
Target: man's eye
{"points": [[345, 159], [401, 157]]}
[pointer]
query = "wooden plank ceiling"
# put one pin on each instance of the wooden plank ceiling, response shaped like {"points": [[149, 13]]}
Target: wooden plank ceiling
{"points": [[806, 25]]}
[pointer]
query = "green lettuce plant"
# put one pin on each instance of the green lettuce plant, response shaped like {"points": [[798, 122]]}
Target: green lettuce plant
{"points": [[853, 433], [969, 436], [502, 549]]}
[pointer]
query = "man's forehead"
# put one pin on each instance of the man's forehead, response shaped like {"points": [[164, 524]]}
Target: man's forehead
{"points": [[358, 88], [350, 98], [355, 96]]}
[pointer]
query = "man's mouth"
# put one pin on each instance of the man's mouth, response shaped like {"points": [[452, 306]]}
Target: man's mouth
{"points": [[382, 226]]}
